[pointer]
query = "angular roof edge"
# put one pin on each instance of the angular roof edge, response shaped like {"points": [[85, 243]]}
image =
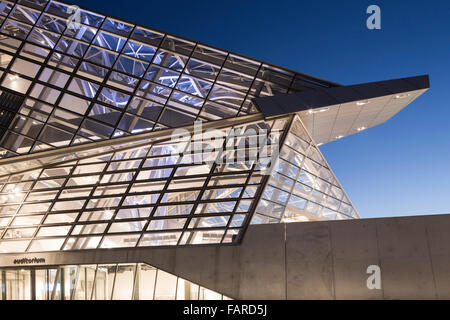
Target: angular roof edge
{"points": [[319, 98]]}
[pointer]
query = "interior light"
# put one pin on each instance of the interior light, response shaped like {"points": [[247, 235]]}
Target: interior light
{"points": [[362, 103], [402, 96], [13, 77], [91, 179], [141, 130], [117, 134], [318, 111]]}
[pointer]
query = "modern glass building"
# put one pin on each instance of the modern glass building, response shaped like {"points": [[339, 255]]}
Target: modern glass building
{"points": [[117, 136]]}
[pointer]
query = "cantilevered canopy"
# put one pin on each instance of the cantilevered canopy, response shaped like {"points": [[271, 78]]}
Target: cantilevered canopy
{"points": [[333, 113]]}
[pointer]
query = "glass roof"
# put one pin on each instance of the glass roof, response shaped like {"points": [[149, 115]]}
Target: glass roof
{"points": [[90, 109], [172, 192], [85, 77]]}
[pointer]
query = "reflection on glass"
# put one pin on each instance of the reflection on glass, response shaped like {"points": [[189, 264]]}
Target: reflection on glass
{"points": [[165, 286], [42, 284], [145, 282], [100, 291], [187, 290], [123, 284]]}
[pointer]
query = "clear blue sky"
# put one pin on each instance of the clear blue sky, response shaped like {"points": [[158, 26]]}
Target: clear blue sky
{"points": [[398, 168]]}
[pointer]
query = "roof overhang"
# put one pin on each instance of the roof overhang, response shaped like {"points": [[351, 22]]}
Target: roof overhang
{"points": [[333, 113]]}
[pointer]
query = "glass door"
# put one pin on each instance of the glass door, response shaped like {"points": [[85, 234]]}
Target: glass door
{"points": [[16, 284]]}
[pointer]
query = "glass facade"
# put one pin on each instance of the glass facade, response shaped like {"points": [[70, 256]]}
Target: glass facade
{"points": [[153, 196], [91, 150], [86, 77], [115, 135], [99, 282], [302, 186], [139, 197]]}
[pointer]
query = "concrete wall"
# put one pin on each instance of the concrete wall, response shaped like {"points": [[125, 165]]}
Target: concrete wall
{"points": [[316, 260]]}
